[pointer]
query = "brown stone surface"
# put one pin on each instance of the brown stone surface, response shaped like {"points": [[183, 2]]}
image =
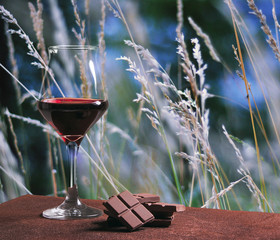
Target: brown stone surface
{"points": [[21, 218]]}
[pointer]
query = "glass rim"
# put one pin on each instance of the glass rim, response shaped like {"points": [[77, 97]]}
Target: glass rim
{"points": [[72, 47]]}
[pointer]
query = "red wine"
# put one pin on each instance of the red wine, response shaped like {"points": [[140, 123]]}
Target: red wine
{"points": [[72, 117]]}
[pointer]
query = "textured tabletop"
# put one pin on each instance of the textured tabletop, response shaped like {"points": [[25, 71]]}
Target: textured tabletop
{"points": [[20, 218]]}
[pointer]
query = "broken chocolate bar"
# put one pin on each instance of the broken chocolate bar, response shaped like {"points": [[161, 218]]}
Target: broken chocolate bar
{"points": [[164, 207], [128, 210], [162, 215], [164, 210], [162, 219], [164, 222], [147, 197]]}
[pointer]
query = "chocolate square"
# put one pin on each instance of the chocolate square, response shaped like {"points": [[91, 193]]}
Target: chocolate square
{"points": [[130, 220], [128, 199], [115, 205], [141, 212]]}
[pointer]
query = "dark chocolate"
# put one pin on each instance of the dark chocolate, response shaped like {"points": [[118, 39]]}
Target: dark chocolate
{"points": [[162, 215], [147, 197], [157, 215], [166, 222], [128, 210], [164, 207]]}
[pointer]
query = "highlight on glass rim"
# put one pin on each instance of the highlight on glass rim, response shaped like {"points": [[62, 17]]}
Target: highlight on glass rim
{"points": [[180, 99]]}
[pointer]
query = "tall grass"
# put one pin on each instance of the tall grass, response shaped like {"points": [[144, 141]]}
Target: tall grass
{"points": [[166, 147]]}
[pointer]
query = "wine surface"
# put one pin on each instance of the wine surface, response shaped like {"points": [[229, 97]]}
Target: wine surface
{"points": [[72, 117]]}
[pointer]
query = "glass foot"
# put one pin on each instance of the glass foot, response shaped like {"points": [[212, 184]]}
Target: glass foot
{"points": [[72, 208]]}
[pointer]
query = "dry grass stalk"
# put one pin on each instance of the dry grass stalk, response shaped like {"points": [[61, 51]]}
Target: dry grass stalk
{"points": [[179, 31], [38, 27], [102, 54], [9, 18], [180, 18], [85, 86], [53, 172], [12, 183], [87, 7], [186, 66], [258, 118], [239, 56], [191, 72], [271, 40], [244, 171], [16, 145], [31, 93], [13, 61], [277, 25], [222, 193], [114, 6], [180, 24], [33, 122], [61, 164], [32, 51], [187, 113], [81, 24], [105, 172], [253, 59], [15, 180], [102, 47], [149, 97], [206, 39]]}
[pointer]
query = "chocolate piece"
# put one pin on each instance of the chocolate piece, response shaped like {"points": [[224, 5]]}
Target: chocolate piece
{"points": [[162, 215], [147, 197], [164, 207], [128, 210], [130, 220], [157, 215], [160, 222], [115, 206], [165, 222], [128, 199]]}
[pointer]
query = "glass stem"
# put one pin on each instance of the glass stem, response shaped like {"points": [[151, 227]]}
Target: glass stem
{"points": [[72, 149]]}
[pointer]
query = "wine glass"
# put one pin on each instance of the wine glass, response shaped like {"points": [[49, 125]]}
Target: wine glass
{"points": [[72, 101]]}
